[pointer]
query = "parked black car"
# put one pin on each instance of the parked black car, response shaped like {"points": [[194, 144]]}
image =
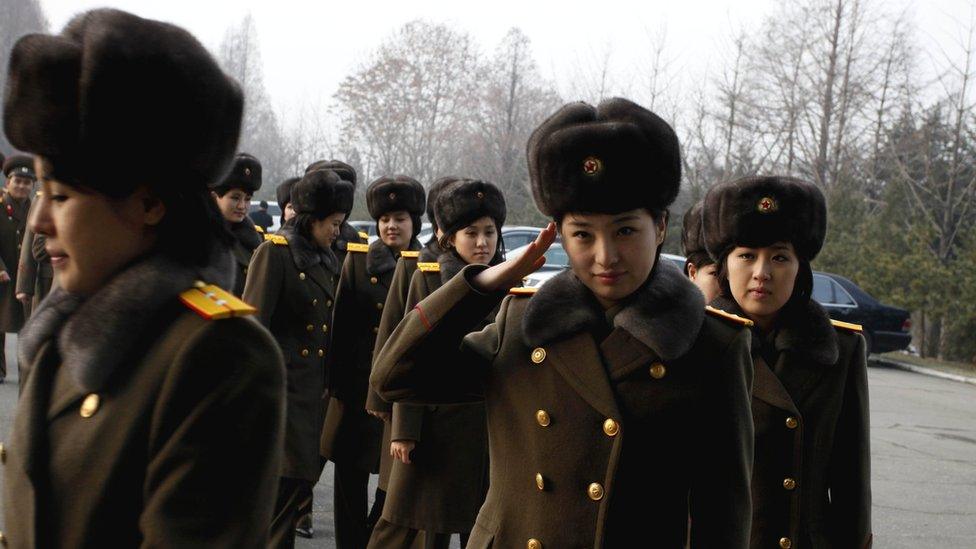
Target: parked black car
{"points": [[885, 328]]}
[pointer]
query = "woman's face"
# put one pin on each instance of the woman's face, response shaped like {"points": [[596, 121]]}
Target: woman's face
{"points": [[325, 231], [762, 279], [289, 212], [396, 228], [477, 242], [706, 278], [91, 237], [233, 205], [612, 254]]}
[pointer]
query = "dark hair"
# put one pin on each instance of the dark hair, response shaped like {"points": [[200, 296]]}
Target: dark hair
{"points": [[802, 285], [698, 259], [655, 214], [263, 204]]}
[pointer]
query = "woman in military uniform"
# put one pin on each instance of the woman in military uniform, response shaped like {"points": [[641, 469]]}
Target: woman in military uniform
{"points": [[811, 484], [618, 407], [18, 171], [233, 196], [393, 311], [439, 475], [149, 394], [700, 268], [292, 282], [352, 438]]}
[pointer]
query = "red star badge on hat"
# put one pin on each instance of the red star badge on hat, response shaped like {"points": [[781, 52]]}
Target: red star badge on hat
{"points": [[766, 205], [592, 165]]}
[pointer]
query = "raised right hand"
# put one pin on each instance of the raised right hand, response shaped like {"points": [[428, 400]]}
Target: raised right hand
{"points": [[510, 273]]}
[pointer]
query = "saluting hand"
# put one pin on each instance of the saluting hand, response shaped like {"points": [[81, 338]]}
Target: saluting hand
{"points": [[400, 449], [509, 273], [4, 277]]}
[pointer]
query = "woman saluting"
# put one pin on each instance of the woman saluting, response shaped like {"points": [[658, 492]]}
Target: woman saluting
{"points": [[151, 415], [811, 484], [616, 406], [291, 281]]}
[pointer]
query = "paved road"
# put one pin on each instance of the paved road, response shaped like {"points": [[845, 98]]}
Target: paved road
{"points": [[923, 442]]}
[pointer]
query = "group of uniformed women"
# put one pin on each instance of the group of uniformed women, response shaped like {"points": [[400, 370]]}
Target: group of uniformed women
{"points": [[610, 408]]}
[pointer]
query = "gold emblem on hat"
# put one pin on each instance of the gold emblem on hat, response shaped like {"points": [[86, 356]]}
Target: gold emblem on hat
{"points": [[392, 196], [247, 171], [767, 205], [592, 165], [480, 194]]}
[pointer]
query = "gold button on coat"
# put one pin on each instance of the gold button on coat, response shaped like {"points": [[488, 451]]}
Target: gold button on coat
{"points": [[791, 422], [373, 280], [538, 355], [785, 543], [611, 428], [90, 405], [595, 491], [542, 417], [3, 453], [310, 327], [305, 352], [301, 276], [540, 482], [376, 329], [321, 352], [3, 540], [325, 328], [658, 370], [534, 544], [328, 303], [789, 483], [379, 306], [315, 302]]}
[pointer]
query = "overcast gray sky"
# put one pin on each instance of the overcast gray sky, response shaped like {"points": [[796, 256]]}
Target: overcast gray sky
{"points": [[309, 46]]}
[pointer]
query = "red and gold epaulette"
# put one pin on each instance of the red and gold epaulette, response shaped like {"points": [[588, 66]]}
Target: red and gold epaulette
{"points": [[277, 239], [259, 229], [212, 302], [522, 291], [856, 328], [354, 247], [432, 267], [409, 254], [718, 313], [364, 236]]}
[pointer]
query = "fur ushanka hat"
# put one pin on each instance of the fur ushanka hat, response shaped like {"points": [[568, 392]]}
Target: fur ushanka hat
{"points": [[692, 239], [433, 192], [321, 193], [245, 174], [397, 193], [343, 170], [283, 192], [759, 211], [147, 91], [612, 158], [467, 200]]}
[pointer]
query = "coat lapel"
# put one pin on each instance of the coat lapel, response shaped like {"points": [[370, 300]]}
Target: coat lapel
{"points": [[769, 389], [578, 360], [30, 422], [323, 279]]}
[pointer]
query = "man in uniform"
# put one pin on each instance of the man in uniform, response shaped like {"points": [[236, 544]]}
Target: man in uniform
{"points": [[14, 205], [35, 276]]}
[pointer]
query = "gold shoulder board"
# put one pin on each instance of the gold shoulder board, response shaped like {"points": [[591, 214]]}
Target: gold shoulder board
{"points": [[364, 236], [718, 313], [277, 239], [259, 229], [523, 291], [857, 328], [353, 247], [410, 255], [429, 267], [212, 302]]}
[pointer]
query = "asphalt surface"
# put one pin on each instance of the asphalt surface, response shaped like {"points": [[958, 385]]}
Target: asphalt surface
{"points": [[923, 444]]}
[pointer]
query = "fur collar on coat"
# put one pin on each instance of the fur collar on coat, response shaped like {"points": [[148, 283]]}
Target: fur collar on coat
{"points": [[665, 314], [96, 335]]}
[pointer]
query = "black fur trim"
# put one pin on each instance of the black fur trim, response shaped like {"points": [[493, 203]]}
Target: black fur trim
{"points": [[692, 240], [665, 314]]}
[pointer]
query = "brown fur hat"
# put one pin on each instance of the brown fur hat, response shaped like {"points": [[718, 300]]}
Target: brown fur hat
{"points": [[468, 200], [245, 174], [759, 211], [606, 159], [321, 193], [343, 170], [147, 91], [397, 193]]}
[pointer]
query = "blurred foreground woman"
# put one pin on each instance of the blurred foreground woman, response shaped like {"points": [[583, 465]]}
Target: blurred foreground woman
{"points": [[617, 406], [152, 407]]}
